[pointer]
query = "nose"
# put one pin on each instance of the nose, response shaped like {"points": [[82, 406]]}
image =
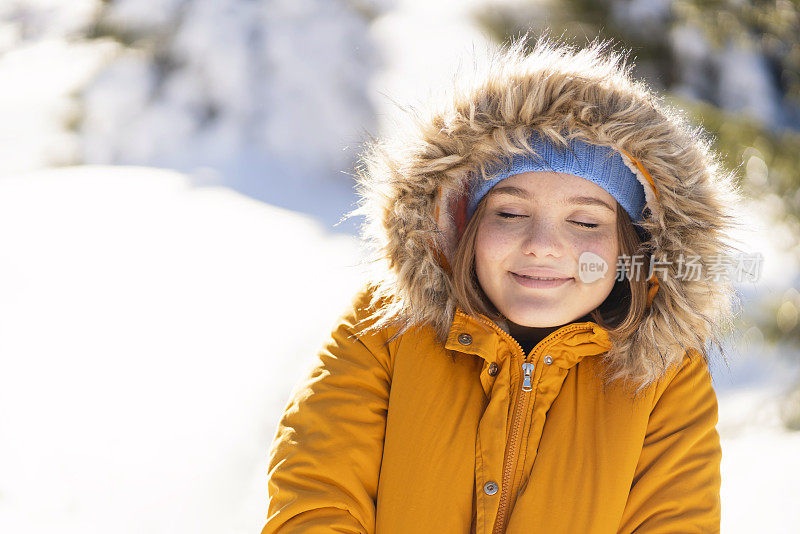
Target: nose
{"points": [[541, 239]]}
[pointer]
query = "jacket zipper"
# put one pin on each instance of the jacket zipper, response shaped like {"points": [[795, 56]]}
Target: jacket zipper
{"points": [[522, 402]]}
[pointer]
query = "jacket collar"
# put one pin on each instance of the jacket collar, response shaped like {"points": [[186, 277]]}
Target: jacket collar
{"points": [[567, 345]]}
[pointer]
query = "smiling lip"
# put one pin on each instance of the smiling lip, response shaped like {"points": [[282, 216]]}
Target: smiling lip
{"points": [[536, 284], [541, 273]]}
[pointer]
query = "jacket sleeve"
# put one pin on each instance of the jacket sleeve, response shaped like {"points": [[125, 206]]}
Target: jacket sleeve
{"points": [[325, 459], [676, 486]]}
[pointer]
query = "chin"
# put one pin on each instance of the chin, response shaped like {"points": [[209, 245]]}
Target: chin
{"points": [[538, 324], [541, 318]]}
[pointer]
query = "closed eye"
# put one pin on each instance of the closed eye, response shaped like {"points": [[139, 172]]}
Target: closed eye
{"points": [[586, 225], [506, 215]]}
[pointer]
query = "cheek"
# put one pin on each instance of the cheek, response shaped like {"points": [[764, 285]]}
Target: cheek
{"points": [[490, 246], [604, 245]]}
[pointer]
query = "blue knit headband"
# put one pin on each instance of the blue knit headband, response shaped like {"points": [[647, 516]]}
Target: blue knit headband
{"points": [[601, 165]]}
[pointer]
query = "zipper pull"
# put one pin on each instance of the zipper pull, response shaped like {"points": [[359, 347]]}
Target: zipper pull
{"points": [[527, 368]]}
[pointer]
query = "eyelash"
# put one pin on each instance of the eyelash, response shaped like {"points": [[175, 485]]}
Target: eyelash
{"points": [[505, 215]]}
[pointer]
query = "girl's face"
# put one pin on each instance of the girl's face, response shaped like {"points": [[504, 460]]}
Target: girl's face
{"points": [[550, 225]]}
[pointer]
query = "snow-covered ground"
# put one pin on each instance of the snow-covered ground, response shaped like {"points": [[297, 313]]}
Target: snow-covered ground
{"points": [[760, 460], [150, 332]]}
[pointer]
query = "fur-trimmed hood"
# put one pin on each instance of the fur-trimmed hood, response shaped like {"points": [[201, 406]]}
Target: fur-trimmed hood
{"points": [[413, 184]]}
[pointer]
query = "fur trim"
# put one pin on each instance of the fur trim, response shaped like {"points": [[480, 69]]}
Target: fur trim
{"points": [[410, 186]]}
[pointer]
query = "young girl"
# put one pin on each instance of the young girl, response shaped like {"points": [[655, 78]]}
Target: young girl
{"points": [[530, 353]]}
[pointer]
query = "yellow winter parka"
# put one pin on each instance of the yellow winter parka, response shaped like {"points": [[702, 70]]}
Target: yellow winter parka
{"points": [[420, 437], [440, 422]]}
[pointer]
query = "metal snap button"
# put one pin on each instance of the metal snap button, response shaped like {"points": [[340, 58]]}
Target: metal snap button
{"points": [[548, 359], [464, 339], [493, 369], [490, 488]]}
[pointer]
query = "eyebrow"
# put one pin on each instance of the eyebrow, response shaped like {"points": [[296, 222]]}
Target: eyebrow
{"points": [[522, 193]]}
